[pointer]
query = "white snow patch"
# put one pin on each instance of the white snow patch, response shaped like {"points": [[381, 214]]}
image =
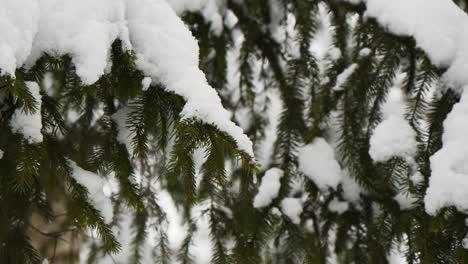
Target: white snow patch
{"points": [[29, 125], [292, 208], [417, 178], [440, 28], [344, 76], [393, 137], [269, 188], [317, 161], [19, 26], [146, 83], [335, 53], [365, 52], [448, 184], [337, 206]]}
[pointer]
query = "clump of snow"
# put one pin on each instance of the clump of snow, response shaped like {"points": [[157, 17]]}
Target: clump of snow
{"points": [[94, 183], [344, 76], [317, 161], [440, 28], [1, 154], [275, 211], [19, 26], [83, 29], [292, 208], [417, 178], [146, 83], [29, 125], [465, 242], [277, 14], [335, 53], [337, 206], [448, 184], [365, 52], [393, 136], [269, 188]]}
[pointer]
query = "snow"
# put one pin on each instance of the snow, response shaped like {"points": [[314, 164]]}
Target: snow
{"points": [[337, 206], [393, 137], [94, 183], [344, 76], [19, 25], [335, 53], [292, 208], [85, 30], [29, 124], [166, 50], [440, 28], [317, 161], [277, 14], [417, 178], [146, 83], [396, 256], [1, 154], [365, 52], [269, 188], [448, 184]]}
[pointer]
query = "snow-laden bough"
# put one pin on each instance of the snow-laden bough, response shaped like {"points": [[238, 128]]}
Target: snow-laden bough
{"points": [[85, 30]]}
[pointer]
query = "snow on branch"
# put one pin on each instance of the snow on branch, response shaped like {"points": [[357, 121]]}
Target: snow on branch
{"points": [[166, 51], [440, 28]]}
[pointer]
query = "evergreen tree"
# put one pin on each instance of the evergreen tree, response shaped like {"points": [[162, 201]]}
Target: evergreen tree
{"points": [[313, 83]]}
